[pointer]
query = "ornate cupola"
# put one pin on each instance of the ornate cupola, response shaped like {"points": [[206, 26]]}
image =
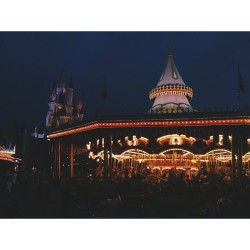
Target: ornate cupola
{"points": [[171, 95]]}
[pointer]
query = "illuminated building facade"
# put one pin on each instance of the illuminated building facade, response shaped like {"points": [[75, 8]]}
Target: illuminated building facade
{"points": [[9, 155], [62, 109], [171, 136]]}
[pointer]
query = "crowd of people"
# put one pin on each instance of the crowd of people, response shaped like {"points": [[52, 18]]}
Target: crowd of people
{"points": [[130, 193]]}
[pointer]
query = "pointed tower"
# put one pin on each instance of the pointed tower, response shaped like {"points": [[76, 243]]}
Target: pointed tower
{"points": [[69, 102], [52, 106], [171, 95], [60, 92]]}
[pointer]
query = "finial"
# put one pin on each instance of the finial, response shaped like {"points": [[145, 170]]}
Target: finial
{"points": [[170, 48]]}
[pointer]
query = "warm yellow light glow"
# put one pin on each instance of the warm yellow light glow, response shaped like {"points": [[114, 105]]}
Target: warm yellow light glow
{"points": [[194, 169], [218, 152], [91, 155], [178, 150], [176, 140], [133, 142], [156, 168], [220, 140], [161, 123], [170, 89], [88, 146], [143, 140], [8, 156]]}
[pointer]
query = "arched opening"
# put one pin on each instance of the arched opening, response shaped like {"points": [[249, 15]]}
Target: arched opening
{"points": [[246, 163], [218, 160]]}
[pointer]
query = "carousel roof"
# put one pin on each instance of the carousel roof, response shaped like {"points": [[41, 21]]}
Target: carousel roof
{"points": [[170, 73], [171, 91]]}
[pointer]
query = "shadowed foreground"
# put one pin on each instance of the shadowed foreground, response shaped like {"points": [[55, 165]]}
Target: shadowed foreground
{"points": [[31, 195]]}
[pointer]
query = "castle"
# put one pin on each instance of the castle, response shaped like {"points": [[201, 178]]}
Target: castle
{"points": [[62, 108]]}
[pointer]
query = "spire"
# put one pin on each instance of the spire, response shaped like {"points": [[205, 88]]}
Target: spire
{"points": [[171, 94], [170, 53], [60, 90], [170, 73]]}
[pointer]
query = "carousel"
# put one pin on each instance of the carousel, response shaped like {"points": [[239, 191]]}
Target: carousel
{"points": [[176, 158], [8, 159], [170, 136]]}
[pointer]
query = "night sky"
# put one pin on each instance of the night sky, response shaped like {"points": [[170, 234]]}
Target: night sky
{"points": [[130, 63]]}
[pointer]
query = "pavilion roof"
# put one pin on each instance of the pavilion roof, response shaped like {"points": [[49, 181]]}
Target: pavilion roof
{"points": [[170, 74]]}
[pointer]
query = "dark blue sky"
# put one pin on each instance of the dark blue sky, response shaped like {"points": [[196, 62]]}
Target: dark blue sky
{"points": [[131, 62]]}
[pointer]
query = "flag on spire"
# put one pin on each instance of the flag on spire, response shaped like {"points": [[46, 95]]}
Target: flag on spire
{"points": [[241, 82]]}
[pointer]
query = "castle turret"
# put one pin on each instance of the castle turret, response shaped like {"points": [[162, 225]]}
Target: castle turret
{"points": [[62, 109], [70, 92], [53, 97], [52, 106], [171, 94], [69, 100], [60, 92]]}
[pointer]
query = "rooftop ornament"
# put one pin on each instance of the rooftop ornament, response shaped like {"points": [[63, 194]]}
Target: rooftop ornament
{"points": [[171, 95]]}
